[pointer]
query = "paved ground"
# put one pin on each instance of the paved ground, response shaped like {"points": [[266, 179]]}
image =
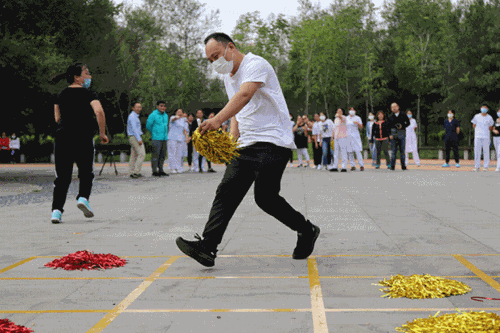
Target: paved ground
{"points": [[374, 224]]}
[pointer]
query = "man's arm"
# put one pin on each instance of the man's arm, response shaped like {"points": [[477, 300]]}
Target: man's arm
{"points": [[101, 120], [57, 113], [235, 104], [233, 129]]}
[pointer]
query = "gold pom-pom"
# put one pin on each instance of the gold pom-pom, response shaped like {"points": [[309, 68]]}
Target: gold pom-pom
{"points": [[217, 146], [455, 322], [421, 286]]}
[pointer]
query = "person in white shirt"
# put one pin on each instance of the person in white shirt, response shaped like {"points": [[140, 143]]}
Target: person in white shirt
{"points": [[316, 138], [354, 124], [411, 139], [14, 145], [177, 139], [482, 124], [260, 121], [326, 135], [371, 143], [341, 140], [137, 150]]}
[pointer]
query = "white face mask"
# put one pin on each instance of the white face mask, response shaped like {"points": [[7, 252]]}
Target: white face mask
{"points": [[222, 66], [322, 118], [352, 112], [450, 115], [371, 117]]}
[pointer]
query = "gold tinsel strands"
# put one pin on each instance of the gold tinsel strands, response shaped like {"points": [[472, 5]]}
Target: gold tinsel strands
{"points": [[421, 286], [217, 146], [462, 322]]}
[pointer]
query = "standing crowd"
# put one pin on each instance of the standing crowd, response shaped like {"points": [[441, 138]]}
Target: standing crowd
{"points": [[171, 138], [9, 148]]}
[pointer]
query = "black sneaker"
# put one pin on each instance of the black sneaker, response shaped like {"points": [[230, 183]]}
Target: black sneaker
{"points": [[197, 250], [211, 170], [156, 174], [403, 167], [138, 175], [305, 243], [163, 174], [133, 176], [343, 170], [353, 169], [334, 170]]}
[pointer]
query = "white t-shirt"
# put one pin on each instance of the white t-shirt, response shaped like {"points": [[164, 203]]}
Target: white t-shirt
{"points": [[410, 130], [266, 117], [326, 128], [316, 130], [483, 124], [352, 128]]}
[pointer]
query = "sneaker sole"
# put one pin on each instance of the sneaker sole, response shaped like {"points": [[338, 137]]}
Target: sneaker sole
{"points": [[87, 212], [191, 252], [55, 221], [313, 243]]}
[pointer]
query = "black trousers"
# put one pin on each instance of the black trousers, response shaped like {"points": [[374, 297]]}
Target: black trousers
{"points": [[262, 164], [382, 146], [401, 142], [4, 155], [318, 154], [190, 153], [158, 155], [68, 151], [200, 162], [448, 146]]}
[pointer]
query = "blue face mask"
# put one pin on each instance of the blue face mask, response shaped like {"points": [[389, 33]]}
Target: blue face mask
{"points": [[409, 116], [87, 83], [483, 110], [498, 114]]}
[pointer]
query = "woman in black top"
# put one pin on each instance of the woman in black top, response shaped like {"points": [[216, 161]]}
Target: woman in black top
{"points": [[301, 141], [380, 134], [193, 125], [74, 111]]}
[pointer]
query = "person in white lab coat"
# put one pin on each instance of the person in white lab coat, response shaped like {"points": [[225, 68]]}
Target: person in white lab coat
{"points": [[411, 139], [482, 123], [354, 146]]}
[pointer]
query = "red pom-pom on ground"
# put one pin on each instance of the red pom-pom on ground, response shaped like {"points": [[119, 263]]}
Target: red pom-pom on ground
{"points": [[6, 326], [86, 260]]}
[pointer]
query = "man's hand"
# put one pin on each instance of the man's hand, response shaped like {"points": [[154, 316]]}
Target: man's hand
{"points": [[391, 137], [321, 143], [209, 125], [188, 139], [494, 131], [140, 143], [104, 138]]}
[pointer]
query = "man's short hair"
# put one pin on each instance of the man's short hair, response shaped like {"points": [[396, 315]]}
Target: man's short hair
{"points": [[160, 102], [452, 111], [219, 37], [134, 103]]}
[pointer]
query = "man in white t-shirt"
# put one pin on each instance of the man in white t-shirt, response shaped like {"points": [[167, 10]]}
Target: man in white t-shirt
{"points": [[260, 121], [482, 123]]}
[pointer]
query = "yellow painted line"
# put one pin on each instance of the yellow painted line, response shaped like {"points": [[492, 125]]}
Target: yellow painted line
{"points": [[74, 278], [54, 311], [488, 279], [412, 309], [215, 310], [19, 263], [123, 305], [228, 277], [317, 305], [388, 276]]}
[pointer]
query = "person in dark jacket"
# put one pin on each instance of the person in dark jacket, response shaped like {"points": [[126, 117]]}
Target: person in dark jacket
{"points": [[193, 125], [398, 123], [452, 129], [380, 135]]}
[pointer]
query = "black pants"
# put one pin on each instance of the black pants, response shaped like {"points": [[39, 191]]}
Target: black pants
{"points": [[4, 155], [190, 153], [158, 155], [262, 164], [200, 163], [68, 151], [449, 145], [382, 146], [318, 154], [401, 142]]}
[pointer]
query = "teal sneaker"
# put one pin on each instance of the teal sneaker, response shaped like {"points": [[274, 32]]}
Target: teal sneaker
{"points": [[84, 206], [56, 216], [388, 166], [457, 165], [446, 165]]}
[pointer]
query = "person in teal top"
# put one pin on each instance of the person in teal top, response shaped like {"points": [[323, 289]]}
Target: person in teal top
{"points": [[157, 125]]}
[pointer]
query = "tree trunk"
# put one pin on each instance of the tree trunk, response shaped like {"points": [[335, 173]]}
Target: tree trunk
{"points": [[419, 123], [308, 85]]}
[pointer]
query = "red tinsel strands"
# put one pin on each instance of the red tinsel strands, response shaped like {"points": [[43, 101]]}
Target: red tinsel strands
{"points": [[478, 298], [86, 260], [6, 326]]}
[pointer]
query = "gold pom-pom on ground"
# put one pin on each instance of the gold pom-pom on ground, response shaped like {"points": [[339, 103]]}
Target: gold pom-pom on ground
{"points": [[217, 146], [421, 286], [454, 322]]}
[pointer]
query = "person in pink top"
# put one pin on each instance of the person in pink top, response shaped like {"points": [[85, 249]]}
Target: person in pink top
{"points": [[340, 135]]}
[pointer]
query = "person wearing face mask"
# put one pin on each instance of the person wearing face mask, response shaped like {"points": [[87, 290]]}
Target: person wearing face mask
{"points": [[398, 123], [14, 145], [316, 138], [326, 134], [157, 125], [354, 146], [341, 140], [411, 139], [496, 139], [4, 148], [178, 138], [371, 143], [452, 129], [482, 124], [261, 124], [74, 111], [380, 134], [300, 132]]}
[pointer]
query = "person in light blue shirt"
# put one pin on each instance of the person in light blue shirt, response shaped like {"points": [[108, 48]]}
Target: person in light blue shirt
{"points": [[177, 138], [157, 125], [134, 132]]}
